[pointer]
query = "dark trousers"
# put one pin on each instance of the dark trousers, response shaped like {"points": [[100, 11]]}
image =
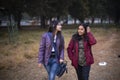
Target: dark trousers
{"points": [[83, 72]]}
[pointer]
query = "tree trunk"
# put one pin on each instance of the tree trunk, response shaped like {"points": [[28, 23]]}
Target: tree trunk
{"points": [[93, 20], [101, 20], [75, 21], [17, 18], [58, 18], [43, 21], [39, 21], [10, 28], [18, 24], [82, 20], [117, 19], [9, 18], [109, 19]]}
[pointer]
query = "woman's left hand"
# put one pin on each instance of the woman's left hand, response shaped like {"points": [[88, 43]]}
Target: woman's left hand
{"points": [[88, 29], [61, 60]]}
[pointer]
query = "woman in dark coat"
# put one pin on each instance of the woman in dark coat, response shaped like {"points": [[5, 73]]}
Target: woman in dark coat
{"points": [[80, 53]]}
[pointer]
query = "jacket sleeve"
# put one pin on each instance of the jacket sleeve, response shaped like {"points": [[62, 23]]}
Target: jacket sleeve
{"points": [[41, 49], [70, 49], [62, 50], [92, 40]]}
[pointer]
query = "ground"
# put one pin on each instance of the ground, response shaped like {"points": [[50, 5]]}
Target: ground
{"points": [[106, 49]]}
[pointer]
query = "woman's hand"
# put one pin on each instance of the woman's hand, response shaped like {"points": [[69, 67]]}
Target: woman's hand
{"points": [[88, 29], [39, 65], [61, 60]]}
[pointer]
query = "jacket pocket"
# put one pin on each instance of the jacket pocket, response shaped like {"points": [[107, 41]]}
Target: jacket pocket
{"points": [[74, 61], [90, 58]]}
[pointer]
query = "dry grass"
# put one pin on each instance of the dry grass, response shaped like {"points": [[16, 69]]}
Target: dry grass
{"points": [[25, 48]]}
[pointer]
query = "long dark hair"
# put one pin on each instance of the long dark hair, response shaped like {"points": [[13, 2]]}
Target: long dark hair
{"points": [[78, 37], [52, 29]]}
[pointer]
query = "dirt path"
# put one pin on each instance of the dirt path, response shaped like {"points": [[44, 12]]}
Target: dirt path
{"points": [[107, 51], [104, 50]]}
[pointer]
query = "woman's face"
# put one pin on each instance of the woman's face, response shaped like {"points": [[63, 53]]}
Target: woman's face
{"points": [[81, 30], [59, 27]]}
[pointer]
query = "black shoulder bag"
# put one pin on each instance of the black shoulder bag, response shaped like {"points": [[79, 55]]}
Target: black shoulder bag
{"points": [[62, 68]]}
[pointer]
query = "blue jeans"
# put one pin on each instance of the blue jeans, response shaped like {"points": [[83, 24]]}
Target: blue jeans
{"points": [[51, 68], [83, 72]]}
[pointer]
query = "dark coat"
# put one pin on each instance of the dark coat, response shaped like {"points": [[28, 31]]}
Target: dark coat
{"points": [[73, 53]]}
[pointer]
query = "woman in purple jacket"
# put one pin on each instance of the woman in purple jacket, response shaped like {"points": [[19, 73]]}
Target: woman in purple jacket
{"points": [[51, 51], [79, 51]]}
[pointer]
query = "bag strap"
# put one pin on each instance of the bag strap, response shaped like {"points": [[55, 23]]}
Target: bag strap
{"points": [[52, 43]]}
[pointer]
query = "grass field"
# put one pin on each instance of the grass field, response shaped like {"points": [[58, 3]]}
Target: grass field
{"points": [[26, 49]]}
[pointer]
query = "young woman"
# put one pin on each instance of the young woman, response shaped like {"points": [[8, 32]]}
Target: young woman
{"points": [[79, 51], [51, 51]]}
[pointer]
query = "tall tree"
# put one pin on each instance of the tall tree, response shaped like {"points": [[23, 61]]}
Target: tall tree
{"points": [[47, 8], [79, 9], [97, 9], [113, 9], [14, 8], [61, 7]]}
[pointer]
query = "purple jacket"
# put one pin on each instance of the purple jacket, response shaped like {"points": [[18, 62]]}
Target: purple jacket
{"points": [[73, 51], [45, 49]]}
